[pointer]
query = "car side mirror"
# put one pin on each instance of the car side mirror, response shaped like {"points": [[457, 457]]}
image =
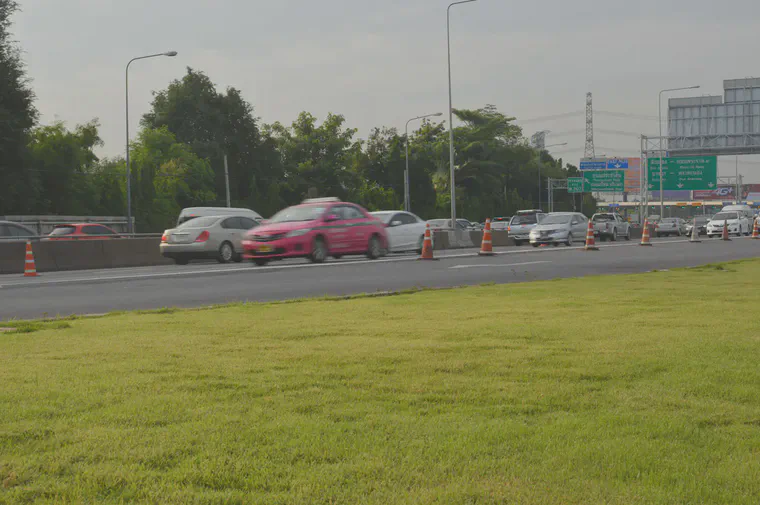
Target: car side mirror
{"points": [[396, 223], [331, 217]]}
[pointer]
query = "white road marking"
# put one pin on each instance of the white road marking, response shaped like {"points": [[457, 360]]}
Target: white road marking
{"points": [[499, 265]]}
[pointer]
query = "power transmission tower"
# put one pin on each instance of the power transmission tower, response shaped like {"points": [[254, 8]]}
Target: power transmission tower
{"points": [[589, 151]]}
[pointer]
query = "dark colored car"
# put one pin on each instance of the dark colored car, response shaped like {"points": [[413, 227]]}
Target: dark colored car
{"points": [[82, 231], [10, 231]]}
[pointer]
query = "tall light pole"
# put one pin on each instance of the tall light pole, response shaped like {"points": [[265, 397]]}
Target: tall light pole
{"points": [[539, 168], [659, 105], [452, 175], [407, 198], [129, 173]]}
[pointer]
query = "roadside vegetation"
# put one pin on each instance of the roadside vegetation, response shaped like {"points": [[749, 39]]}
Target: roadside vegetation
{"points": [[639, 389]]}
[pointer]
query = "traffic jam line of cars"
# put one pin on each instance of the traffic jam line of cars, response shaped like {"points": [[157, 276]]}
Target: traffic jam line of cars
{"points": [[322, 228]]}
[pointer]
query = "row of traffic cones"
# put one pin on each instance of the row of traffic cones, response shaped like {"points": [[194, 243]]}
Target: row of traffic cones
{"points": [[486, 248]]}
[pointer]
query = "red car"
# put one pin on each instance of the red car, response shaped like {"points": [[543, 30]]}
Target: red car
{"points": [[82, 231], [316, 229]]}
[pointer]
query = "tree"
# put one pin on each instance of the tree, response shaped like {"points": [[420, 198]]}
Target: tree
{"points": [[18, 186], [169, 176], [317, 156], [214, 125], [65, 161]]}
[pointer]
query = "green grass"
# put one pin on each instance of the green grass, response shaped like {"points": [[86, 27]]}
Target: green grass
{"points": [[612, 390]]}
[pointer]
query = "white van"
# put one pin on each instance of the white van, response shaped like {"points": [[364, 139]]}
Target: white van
{"points": [[738, 218], [193, 212]]}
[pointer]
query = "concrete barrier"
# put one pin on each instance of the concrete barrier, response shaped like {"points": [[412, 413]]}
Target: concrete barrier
{"points": [[445, 240], [51, 256]]}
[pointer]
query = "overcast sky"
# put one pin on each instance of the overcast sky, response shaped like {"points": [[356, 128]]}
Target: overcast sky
{"points": [[381, 62]]}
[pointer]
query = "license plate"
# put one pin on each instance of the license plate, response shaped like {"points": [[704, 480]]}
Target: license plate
{"points": [[265, 249]]}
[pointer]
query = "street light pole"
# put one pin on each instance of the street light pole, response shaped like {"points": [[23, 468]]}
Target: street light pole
{"points": [[539, 169], [659, 106], [129, 173], [452, 175], [407, 198]]}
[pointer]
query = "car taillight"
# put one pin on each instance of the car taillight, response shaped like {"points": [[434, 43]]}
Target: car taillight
{"points": [[202, 237], [509, 228], [163, 238]]}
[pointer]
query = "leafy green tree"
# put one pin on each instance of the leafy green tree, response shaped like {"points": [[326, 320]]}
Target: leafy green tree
{"points": [[19, 191], [109, 178], [65, 161], [168, 177], [216, 124], [316, 156]]}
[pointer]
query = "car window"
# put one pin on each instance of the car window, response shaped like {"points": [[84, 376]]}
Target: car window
{"points": [[17, 231], [96, 230], [247, 224], [405, 218], [231, 223], [5, 230], [526, 219], [63, 230], [347, 212]]}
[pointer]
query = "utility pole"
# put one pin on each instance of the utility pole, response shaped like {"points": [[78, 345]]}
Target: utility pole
{"points": [[227, 181]]}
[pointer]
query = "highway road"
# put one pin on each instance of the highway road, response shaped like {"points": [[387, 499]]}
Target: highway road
{"points": [[101, 291]]}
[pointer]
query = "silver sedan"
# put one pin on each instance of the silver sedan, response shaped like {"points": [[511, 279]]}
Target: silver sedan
{"points": [[213, 237]]}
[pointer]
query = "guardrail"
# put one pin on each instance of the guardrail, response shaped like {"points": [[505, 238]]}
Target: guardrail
{"points": [[38, 238]]}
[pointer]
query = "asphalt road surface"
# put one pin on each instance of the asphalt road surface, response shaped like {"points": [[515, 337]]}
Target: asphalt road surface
{"points": [[101, 291]]}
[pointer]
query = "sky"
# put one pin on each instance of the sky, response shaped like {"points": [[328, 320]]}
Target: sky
{"points": [[382, 62]]}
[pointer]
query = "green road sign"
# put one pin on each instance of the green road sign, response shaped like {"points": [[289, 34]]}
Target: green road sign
{"points": [[604, 181], [687, 173], [575, 184]]}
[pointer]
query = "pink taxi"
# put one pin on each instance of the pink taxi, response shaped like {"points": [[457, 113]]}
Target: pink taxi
{"points": [[317, 229]]}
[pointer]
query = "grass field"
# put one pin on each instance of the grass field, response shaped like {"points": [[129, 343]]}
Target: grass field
{"points": [[613, 390]]}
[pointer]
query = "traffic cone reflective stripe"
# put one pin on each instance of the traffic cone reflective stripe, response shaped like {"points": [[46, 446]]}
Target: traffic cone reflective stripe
{"points": [[590, 242], [486, 248], [695, 233], [30, 270], [427, 245], [756, 230], [645, 240], [725, 231]]}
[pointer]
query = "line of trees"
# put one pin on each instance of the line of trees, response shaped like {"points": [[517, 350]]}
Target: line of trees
{"points": [[178, 158]]}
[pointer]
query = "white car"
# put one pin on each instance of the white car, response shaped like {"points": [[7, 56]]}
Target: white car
{"points": [[738, 224], [406, 231]]}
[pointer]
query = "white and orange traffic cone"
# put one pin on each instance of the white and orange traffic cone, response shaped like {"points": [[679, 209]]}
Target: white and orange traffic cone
{"points": [[427, 246], [30, 270], [590, 242], [756, 230], [725, 232], [695, 233], [645, 234], [486, 248]]}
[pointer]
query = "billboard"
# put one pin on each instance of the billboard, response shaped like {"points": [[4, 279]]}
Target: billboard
{"points": [[721, 193], [633, 176]]}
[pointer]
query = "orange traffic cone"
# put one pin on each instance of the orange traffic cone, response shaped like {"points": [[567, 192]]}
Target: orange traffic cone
{"points": [[427, 246], [590, 242], [756, 230], [645, 234], [486, 248], [725, 231], [30, 270]]}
